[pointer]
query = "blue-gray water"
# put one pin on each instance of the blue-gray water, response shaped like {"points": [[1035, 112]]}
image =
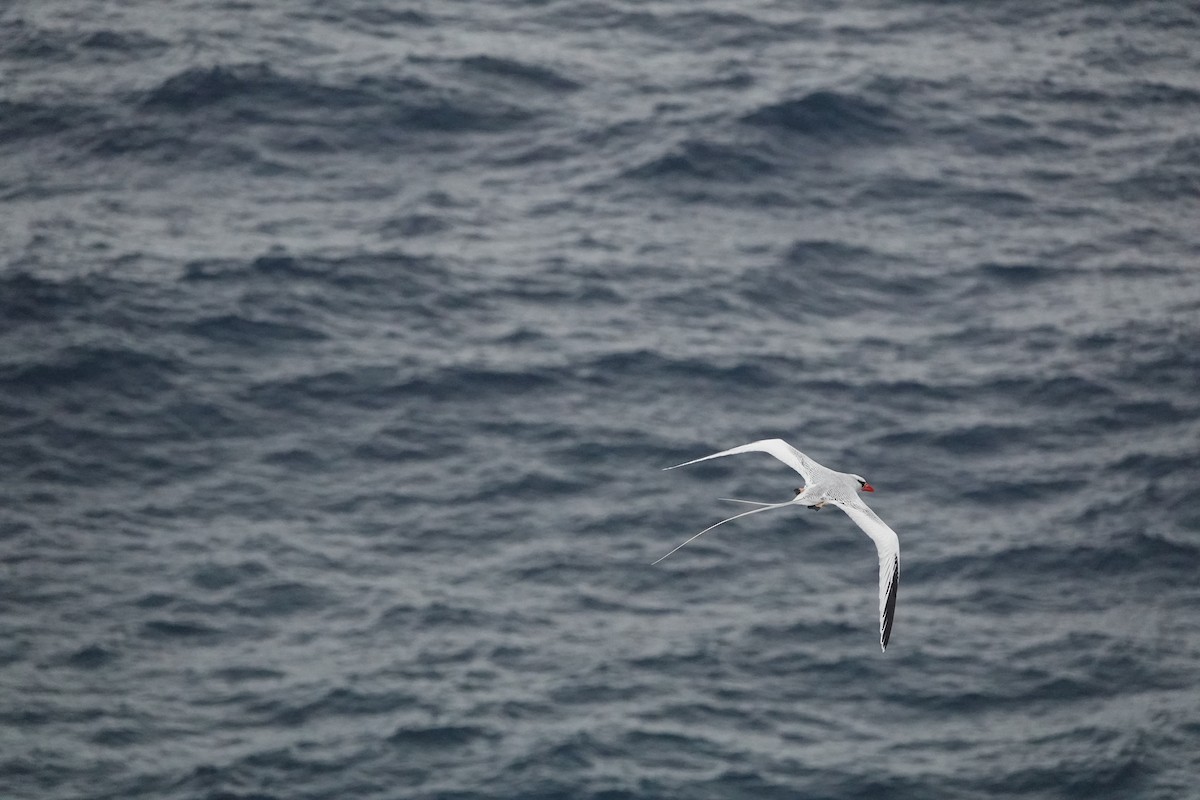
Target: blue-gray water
{"points": [[342, 343]]}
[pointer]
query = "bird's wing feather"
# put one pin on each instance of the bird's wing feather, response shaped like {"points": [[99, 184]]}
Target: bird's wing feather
{"points": [[888, 546], [776, 447]]}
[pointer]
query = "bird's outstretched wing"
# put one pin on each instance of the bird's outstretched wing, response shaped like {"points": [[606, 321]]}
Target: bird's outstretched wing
{"points": [[776, 447], [888, 546]]}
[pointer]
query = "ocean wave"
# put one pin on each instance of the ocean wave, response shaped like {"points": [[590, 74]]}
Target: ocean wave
{"points": [[338, 702], [198, 87], [830, 116], [1041, 390], [702, 160], [618, 367], [981, 438], [240, 674], [406, 617], [1156, 93], [1020, 274], [1124, 553], [26, 297], [520, 73], [370, 18], [441, 737], [383, 386], [118, 737], [240, 330], [181, 629], [22, 120], [832, 278], [118, 371], [401, 272], [23, 40], [1174, 175], [121, 44], [216, 576], [1090, 777], [296, 116], [92, 656], [275, 599]]}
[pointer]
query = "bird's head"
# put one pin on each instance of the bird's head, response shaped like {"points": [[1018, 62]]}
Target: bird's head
{"points": [[863, 486]]}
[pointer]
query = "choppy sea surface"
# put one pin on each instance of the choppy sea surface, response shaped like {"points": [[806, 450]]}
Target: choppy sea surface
{"points": [[342, 343]]}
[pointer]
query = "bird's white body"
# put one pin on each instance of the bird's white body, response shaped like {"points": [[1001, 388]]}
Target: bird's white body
{"points": [[821, 486]]}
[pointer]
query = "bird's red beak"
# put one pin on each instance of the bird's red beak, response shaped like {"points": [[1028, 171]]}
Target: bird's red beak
{"points": [[868, 487]]}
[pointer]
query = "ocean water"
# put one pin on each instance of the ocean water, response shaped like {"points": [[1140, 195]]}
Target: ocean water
{"points": [[342, 344]]}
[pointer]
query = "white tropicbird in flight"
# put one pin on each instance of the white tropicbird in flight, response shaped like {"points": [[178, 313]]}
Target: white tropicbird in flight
{"points": [[823, 485]]}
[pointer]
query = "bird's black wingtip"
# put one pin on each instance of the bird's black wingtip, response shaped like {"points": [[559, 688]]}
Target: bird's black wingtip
{"points": [[889, 608]]}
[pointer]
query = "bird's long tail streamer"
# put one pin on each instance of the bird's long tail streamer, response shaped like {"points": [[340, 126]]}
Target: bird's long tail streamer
{"points": [[766, 507]]}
